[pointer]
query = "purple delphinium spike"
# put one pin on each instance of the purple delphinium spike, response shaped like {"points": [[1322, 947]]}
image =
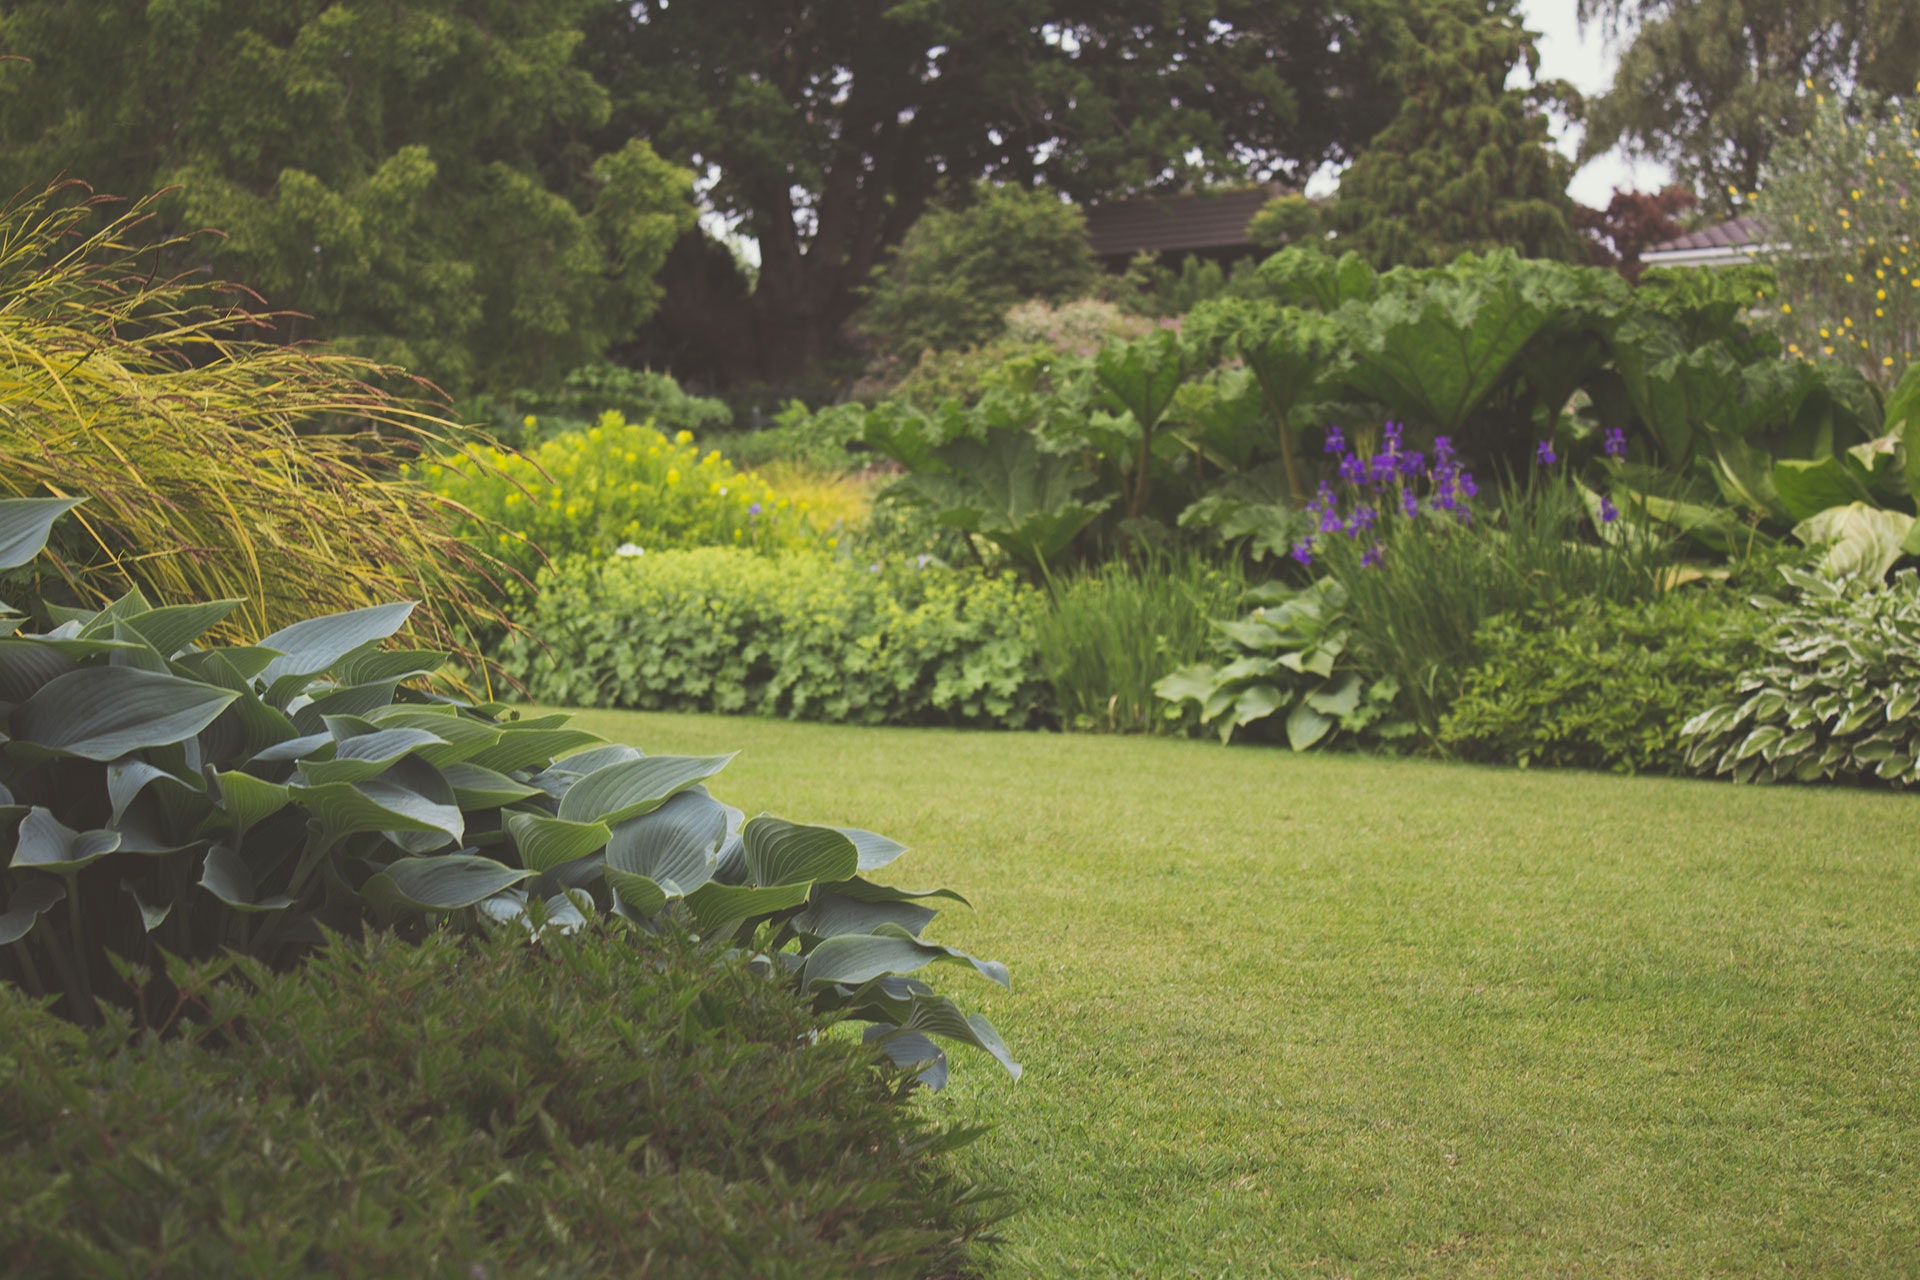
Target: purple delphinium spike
{"points": [[1544, 455], [1353, 472], [1608, 512], [1412, 464], [1616, 445], [1303, 551], [1442, 450], [1371, 557], [1336, 440], [1409, 505], [1391, 435]]}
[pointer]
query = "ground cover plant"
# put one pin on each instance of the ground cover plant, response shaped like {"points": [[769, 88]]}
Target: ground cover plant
{"points": [[802, 635], [1320, 1014], [583, 1105]]}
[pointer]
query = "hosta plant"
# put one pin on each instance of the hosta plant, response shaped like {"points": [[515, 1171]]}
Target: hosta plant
{"points": [[164, 796], [1836, 698], [1289, 664]]}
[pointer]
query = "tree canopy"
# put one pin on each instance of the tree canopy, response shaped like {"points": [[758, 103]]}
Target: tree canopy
{"points": [[824, 130], [1708, 86], [420, 176], [1467, 164]]}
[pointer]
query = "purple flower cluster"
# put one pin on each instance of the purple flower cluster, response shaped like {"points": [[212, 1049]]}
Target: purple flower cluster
{"points": [[1386, 485], [1616, 443]]}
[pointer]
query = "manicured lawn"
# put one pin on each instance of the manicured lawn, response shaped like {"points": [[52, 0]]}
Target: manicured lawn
{"points": [[1327, 1016]]}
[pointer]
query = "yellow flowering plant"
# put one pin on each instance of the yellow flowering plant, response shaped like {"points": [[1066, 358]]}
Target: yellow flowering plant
{"points": [[1841, 203], [621, 486]]}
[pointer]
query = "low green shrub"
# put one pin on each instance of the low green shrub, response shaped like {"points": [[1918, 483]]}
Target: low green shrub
{"points": [[582, 1106], [1833, 695], [802, 635], [523, 417], [1597, 684], [1107, 634], [816, 437], [161, 798]]}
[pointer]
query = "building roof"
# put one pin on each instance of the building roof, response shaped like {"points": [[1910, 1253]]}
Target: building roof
{"points": [[1216, 220], [1722, 243]]}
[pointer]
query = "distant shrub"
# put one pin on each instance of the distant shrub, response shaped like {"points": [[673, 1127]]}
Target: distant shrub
{"points": [[638, 395], [800, 635], [817, 438], [1597, 684], [468, 1108], [596, 488]]}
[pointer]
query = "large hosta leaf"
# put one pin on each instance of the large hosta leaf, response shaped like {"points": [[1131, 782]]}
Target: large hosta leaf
{"points": [[227, 877], [674, 847], [521, 747], [932, 1015], [633, 787], [851, 959], [47, 844], [782, 852], [1860, 541], [173, 627], [311, 647], [445, 883], [411, 796], [107, 712], [25, 904], [248, 800], [714, 904], [25, 524], [829, 914], [875, 850], [368, 755], [546, 843], [475, 788], [26, 666]]}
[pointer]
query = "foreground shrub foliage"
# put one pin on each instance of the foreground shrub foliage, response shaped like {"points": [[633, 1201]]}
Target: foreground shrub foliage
{"points": [[217, 464], [802, 635], [1594, 684], [609, 1103], [1834, 695], [162, 795]]}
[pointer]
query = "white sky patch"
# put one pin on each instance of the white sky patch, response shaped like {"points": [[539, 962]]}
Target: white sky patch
{"points": [[1585, 60]]}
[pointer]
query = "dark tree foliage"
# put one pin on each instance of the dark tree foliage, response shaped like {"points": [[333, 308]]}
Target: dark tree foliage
{"points": [[1708, 86], [825, 130], [1466, 165], [416, 175], [1632, 223]]}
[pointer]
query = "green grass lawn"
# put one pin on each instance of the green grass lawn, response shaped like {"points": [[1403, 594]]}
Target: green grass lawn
{"points": [[1325, 1016]]}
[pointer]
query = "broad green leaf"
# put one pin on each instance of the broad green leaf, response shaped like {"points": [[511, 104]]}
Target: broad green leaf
{"points": [[103, 713], [863, 890], [28, 665], [875, 851], [938, 1016], [522, 748], [172, 628], [375, 666], [782, 852], [674, 847], [1306, 726], [151, 917], [829, 914], [1808, 488], [352, 700], [909, 1050], [1337, 700], [546, 843], [248, 800], [25, 524], [224, 875], [638, 896], [852, 959], [47, 844], [714, 904], [313, 646], [128, 777], [1860, 541], [633, 787], [475, 788], [26, 903], [394, 801], [317, 746], [359, 758], [445, 883], [461, 736]]}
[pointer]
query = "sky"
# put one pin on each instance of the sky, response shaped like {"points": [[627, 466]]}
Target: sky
{"points": [[1586, 62]]}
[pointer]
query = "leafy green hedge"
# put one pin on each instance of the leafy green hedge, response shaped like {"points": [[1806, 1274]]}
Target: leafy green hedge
{"points": [[581, 1107], [802, 636], [1594, 684]]}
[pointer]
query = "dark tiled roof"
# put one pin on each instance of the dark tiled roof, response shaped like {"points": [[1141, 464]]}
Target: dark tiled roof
{"points": [[1175, 223], [1739, 232]]}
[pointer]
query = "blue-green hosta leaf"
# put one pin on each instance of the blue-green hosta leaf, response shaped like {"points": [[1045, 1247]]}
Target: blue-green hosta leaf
{"points": [[633, 787], [47, 844], [911, 1051], [1306, 726], [852, 959], [247, 800], [128, 777], [675, 847], [354, 700], [311, 647], [103, 713], [374, 666], [26, 903], [1193, 683], [932, 1015], [636, 896], [462, 737], [522, 748], [546, 843], [411, 796], [714, 904], [134, 651], [875, 851], [828, 915], [230, 668], [318, 746], [782, 852], [1339, 699], [446, 883], [173, 627], [368, 755], [558, 778], [475, 788], [25, 524], [224, 875], [862, 890], [247, 727], [1860, 541], [27, 665], [151, 917]]}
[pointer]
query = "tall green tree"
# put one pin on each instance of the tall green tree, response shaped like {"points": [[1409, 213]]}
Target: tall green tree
{"points": [[428, 180], [1709, 86], [1467, 164], [824, 130]]}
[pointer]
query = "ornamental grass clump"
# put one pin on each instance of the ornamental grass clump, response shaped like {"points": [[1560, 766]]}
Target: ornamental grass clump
{"points": [[218, 464]]}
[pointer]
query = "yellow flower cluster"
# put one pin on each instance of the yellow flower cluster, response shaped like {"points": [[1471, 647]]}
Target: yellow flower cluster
{"points": [[618, 485]]}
